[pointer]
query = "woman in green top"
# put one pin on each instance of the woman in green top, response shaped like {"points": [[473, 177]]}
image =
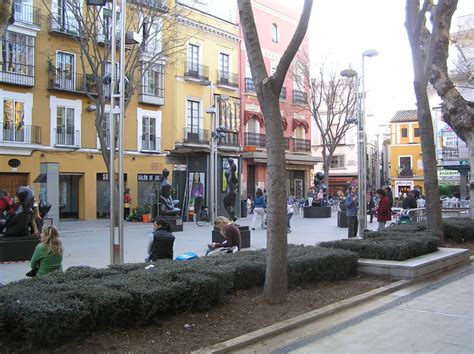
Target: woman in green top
{"points": [[48, 255]]}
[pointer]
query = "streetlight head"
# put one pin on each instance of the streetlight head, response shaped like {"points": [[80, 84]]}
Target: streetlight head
{"points": [[370, 53], [349, 73]]}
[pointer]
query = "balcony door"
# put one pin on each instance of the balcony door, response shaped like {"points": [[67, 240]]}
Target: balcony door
{"points": [[65, 71], [193, 60], [405, 169], [224, 68], [65, 126], [149, 141], [193, 121]]}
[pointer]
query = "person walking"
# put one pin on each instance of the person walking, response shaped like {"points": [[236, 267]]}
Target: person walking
{"points": [[127, 200], [383, 210], [290, 210], [388, 192], [260, 205], [48, 255], [160, 241], [371, 206], [409, 202], [351, 203]]}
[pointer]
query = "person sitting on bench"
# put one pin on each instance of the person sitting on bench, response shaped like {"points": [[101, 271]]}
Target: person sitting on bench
{"points": [[18, 222], [161, 241]]}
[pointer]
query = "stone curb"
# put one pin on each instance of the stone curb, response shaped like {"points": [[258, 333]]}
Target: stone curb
{"points": [[291, 323]]}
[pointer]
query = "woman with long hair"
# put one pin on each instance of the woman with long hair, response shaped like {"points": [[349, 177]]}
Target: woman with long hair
{"points": [[48, 255], [229, 230]]}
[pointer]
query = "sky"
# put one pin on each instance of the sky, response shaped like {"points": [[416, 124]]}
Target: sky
{"points": [[341, 30]]}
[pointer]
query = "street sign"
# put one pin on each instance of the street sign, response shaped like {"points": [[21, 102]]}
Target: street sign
{"points": [[250, 148]]}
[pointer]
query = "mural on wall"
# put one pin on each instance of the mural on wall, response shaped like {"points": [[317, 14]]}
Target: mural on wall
{"points": [[197, 181]]}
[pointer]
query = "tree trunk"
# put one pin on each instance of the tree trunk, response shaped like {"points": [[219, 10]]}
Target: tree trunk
{"points": [[430, 166], [470, 145], [276, 276], [326, 173]]}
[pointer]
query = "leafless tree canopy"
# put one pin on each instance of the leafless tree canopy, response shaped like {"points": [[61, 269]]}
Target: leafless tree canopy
{"points": [[91, 27]]}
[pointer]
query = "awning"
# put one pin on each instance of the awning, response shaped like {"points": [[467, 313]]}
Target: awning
{"points": [[341, 180], [42, 178]]}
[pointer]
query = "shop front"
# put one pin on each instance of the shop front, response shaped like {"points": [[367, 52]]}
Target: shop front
{"points": [[103, 194]]}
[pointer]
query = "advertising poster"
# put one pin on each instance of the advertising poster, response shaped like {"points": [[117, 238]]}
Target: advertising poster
{"points": [[197, 182]]}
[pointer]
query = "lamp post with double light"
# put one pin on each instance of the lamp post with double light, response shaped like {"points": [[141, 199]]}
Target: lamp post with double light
{"points": [[361, 140]]}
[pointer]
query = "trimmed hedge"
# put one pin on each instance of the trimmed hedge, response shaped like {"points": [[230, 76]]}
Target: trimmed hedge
{"points": [[391, 247], [459, 229], [45, 309]]}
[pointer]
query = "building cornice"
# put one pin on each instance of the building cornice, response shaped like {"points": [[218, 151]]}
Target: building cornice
{"points": [[209, 29], [275, 13]]}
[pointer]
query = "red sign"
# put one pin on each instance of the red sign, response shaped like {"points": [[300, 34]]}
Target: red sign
{"points": [[250, 148]]}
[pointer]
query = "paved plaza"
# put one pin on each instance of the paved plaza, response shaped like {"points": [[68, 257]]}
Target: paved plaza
{"points": [[88, 242]]}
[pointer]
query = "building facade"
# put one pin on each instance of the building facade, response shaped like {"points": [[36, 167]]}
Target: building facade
{"points": [[48, 136], [405, 156], [275, 28]]}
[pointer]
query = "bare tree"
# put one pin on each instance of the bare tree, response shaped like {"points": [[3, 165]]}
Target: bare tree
{"points": [[5, 15], [457, 111], [422, 43], [463, 40], [91, 27], [268, 92], [332, 103]]}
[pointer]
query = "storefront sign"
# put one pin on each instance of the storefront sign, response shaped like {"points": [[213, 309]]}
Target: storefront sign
{"points": [[153, 177], [448, 175], [250, 148], [105, 176]]}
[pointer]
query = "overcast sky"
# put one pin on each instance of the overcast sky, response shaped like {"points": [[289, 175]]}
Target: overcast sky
{"points": [[341, 30]]}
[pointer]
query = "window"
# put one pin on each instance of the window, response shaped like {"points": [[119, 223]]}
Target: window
{"points": [[193, 120], [17, 54], [224, 67], [417, 132], [404, 132], [153, 81], [404, 167], [65, 133], [13, 120], [275, 34], [63, 16], [149, 139], [64, 76], [193, 59], [299, 132], [337, 161], [152, 36]]}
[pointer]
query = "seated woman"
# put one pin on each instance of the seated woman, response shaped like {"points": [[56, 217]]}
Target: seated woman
{"points": [[160, 241], [229, 230], [48, 255]]}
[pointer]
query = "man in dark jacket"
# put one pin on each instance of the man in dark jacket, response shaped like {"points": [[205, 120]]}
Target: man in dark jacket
{"points": [[160, 241], [409, 202]]}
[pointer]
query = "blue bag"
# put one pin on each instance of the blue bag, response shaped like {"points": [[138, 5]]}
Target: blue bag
{"points": [[187, 256]]}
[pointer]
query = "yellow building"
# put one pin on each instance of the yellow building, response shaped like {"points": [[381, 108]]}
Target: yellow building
{"points": [[48, 137], [405, 156], [206, 93]]}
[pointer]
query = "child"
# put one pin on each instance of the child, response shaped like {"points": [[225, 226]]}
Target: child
{"points": [[289, 211]]}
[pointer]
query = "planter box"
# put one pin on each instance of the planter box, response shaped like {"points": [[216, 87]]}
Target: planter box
{"points": [[244, 236], [316, 212], [16, 249]]}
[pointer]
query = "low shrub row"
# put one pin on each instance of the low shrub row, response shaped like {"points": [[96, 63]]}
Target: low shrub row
{"points": [[394, 246], [458, 229], [44, 309]]}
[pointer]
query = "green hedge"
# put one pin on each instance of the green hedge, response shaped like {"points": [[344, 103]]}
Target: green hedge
{"points": [[459, 229], [45, 309], [394, 247]]}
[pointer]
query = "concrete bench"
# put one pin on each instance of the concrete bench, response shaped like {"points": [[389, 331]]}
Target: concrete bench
{"points": [[15, 249]]}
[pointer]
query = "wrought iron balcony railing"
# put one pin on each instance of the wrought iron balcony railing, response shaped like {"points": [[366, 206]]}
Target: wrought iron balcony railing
{"points": [[154, 95], [301, 145], [195, 71], [17, 74], [65, 24], [406, 172], [64, 80], [192, 135], [249, 85], [66, 137], [150, 143], [454, 154], [26, 14], [254, 139], [299, 97], [21, 134], [229, 139], [283, 93], [226, 78], [156, 4]]}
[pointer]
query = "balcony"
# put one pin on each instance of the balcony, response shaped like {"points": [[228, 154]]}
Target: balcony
{"points": [[230, 139], [17, 74], [454, 154], [150, 143], [151, 95], [26, 14], [299, 97], [66, 137], [65, 25], [405, 172], [283, 94], [30, 134], [63, 80], [249, 85], [254, 139], [227, 79], [193, 135], [301, 145], [196, 72], [154, 4]]}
